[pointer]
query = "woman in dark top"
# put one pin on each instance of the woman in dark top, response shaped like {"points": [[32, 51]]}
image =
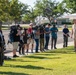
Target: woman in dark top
{"points": [[25, 38]]}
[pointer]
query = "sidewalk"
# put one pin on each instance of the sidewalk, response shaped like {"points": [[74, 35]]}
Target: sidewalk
{"points": [[61, 45], [9, 54]]}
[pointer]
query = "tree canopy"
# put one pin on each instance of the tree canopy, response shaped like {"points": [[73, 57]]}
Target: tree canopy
{"points": [[69, 5], [12, 9], [48, 8]]}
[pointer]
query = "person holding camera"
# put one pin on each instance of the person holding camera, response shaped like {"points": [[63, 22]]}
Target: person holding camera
{"points": [[25, 39], [16, 38], [21, 43], [41, 38], [65, 36]]}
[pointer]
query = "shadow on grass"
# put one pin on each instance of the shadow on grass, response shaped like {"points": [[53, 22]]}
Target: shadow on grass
{"points": [[28, 67], [47, 54], [20, 60], [36, 57], [67, 50], [12, 73], [55, 57]]}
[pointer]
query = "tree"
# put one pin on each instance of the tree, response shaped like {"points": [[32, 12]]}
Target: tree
{"points": [[70, 5], [30, 15], [48, 8], [4, 8], [17, 9]]}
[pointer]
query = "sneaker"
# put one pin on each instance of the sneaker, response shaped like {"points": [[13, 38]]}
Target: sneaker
{"points": [[47, 49], [36, 52], [20, 53], [23, 53], [15, 56], [55, 48]]}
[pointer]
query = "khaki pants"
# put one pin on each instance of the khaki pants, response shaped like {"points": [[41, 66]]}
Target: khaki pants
{"points": [[30, 41], [41, 44], [15, 45]]}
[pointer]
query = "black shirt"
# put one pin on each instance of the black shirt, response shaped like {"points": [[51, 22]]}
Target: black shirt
{"points": [[42, 33], [15, 37], [65, 30]]}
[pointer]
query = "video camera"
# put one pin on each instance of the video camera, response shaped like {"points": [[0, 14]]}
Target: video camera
{"points": [[38, 27], [14, 27]]}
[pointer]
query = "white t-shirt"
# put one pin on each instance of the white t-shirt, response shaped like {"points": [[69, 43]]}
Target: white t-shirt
{"points": [[74, 30]]}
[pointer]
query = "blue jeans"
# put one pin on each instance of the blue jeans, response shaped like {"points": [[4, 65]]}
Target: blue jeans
{"points": [[47, 41], [37, 44]]}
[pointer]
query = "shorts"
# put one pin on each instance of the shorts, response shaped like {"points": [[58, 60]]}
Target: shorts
{"points": [[15, 45], [30, 41]]}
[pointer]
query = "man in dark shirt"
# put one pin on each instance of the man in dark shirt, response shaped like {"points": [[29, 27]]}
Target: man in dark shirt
{"points": [[65, 36], [16, 39]]}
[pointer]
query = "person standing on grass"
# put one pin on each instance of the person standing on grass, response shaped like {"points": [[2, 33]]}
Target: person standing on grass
{"points": [[73, 34], [16, 39], [65, 36], [37, 38], [21, 49], [30, 37], [54, 31], [25, 38], [47, 36], [42, 38]]}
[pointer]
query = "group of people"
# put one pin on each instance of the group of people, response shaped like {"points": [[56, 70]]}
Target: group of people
{"points": [[22, 38], [40, 34]]}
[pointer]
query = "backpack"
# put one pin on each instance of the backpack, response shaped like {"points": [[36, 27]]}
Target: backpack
{"points": [[11, 39]]}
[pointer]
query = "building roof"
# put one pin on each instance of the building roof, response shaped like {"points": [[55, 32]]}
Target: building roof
{"points": [[70, 16]]}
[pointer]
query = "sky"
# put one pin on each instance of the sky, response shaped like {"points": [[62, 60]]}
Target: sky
{"points": [[31, 2]]}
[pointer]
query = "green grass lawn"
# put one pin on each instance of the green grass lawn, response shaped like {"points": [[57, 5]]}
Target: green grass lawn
{"points": [[53, 62]]}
